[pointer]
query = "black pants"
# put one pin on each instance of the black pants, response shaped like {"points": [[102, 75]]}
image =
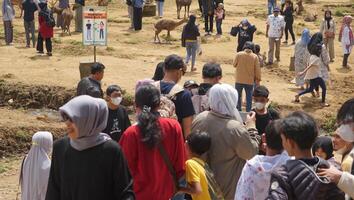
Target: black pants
{"points": [[138, 18], [314, 83], [200, 2], [208, 22], [289, 28], [345, 60], [218, 26], [48, 44]]}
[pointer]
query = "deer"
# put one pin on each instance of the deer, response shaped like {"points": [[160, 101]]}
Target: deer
{"points": [[66, 13], [186, 4], [166, 24], [19, 4]]}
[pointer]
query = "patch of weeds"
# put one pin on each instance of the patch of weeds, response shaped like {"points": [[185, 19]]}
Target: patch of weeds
{"points": [[75, 42], [21, 135], [56, 40], [329, 123], [3, 168], [301, 24], [110, 49], [259, 33], [204, 40], [128, 99], [118, 21]]}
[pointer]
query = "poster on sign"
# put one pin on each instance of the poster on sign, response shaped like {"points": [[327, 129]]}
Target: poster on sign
{"points": [[94, 26]]}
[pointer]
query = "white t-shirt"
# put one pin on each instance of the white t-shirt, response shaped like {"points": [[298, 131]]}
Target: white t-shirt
{"points": [[275, 25]]}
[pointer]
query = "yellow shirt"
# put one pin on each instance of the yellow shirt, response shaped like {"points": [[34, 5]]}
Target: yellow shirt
{"points": [[347, 163], [196, 173]]}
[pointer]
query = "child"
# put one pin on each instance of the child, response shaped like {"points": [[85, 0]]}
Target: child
{"points": [[297, 179], [118, 119], [255, 176], [264, 115], [323, 148], [257, 51], [198, 143], [219, 16], [29, 7]]}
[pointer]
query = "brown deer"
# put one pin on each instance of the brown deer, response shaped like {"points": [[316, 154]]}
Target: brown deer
{"points": [[166, 24], [68, 15], [102, 2], [19, 4], [186, 4]]}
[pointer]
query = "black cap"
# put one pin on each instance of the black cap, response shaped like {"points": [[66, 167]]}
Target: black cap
{"points": [[112, 88], [97, 67], [173, 62]]}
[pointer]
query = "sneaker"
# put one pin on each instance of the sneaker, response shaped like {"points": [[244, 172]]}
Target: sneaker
{"points": [[293, 43], [285, 42], [49, 54], [40, 52], [325, 105]]}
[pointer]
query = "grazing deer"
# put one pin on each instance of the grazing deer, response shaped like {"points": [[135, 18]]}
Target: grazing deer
{"points": [[186, 4], [166, 24]]}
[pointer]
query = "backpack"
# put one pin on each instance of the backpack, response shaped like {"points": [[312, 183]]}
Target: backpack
{"points": [[49, 18], [200, 102], [213, 187], [167, 107]]}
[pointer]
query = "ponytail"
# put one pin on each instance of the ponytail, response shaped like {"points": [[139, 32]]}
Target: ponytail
{"points": [[147, 98]]}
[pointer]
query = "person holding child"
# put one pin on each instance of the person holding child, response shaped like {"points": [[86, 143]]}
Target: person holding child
{"points": [[219, 16]]}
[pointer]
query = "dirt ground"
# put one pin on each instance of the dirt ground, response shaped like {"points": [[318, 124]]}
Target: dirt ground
{"points": [[131, 56]]}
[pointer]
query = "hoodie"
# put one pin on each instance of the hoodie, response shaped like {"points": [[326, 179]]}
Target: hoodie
{"points": [[255, 178]]}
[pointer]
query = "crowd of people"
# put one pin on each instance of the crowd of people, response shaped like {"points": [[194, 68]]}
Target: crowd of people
{"points": [[194, 141], [189, 142]]}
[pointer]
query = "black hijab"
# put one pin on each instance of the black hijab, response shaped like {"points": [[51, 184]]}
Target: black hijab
{"points": [[315, 44]]}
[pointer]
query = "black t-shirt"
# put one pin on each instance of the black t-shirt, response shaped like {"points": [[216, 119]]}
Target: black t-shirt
{"points": [[118, 122], [263, 120], [88, 26], [89, 86], [100, 172], [183, 102], [243, 35], [29, 8]]}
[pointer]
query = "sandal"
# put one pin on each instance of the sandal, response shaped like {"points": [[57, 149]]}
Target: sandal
{"points": [[325, 105], [194, 69]]}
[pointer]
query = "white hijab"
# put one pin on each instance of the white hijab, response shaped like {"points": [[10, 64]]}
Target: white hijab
{"points": [[36, 167], [223, 99]]}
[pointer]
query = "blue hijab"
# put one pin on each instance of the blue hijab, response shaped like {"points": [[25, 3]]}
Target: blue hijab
{"points": [[305, 36]]}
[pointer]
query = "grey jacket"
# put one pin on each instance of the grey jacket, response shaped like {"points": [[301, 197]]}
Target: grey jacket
{"points": [[231, 145], [297, 180]]}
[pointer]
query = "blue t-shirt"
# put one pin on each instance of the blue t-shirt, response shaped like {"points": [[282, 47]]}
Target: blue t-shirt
{"points": [[29, 8], [183, 102]]}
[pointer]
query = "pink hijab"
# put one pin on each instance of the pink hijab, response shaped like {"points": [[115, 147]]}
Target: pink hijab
{"points": [[346, 22]]}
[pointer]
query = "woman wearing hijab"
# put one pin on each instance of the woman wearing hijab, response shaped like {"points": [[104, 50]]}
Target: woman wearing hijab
{"points": [[302, 56], [35, 167], [346, 38], [232, 143], [314, 72], [190, 36], [142, 144], [88, 165], [328, 30]]}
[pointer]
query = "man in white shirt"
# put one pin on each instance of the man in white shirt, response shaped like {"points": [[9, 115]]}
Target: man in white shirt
{"points": [[275, 28]]}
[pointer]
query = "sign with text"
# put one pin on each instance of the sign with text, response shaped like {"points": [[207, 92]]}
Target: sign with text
{"points": [[94, 25]]}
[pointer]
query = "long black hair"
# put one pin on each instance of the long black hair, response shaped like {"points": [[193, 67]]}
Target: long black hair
{"points": [[325, 143], [315, 44], [147, 98], [328, 19], [159, 73], [191, 24]]}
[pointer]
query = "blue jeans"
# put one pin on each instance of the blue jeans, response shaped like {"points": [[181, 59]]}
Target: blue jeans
{"points": [[191, 48], [249, 92], [314, 83], [160, 8], [218, 26], [182, 183], [271, 6]]}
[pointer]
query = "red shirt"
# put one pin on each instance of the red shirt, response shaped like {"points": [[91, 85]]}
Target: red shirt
{"points": [[152, 180], [44, 29]]}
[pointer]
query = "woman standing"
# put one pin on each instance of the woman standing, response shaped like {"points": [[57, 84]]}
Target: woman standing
{"points": [[190, 36], [45, 31], [328, 30], [289, 20], [88, 165], [313, 71], [160, 4], [35, 167], [302, 56], [8, 14], [245, 31], [232, 143], [150, 145], [347, 39]]}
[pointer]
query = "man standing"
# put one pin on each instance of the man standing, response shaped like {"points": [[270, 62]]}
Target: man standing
{"points": [[29, 7], [248, 73], [8, 14], [208, 12], [138, 14], [91, 85], [271, 6], [275, 28], [174, 70], [78, 15]]}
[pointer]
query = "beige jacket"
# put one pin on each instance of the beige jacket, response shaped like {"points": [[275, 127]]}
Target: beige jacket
{"points": [[247, 67], [324, 28], [232, 144], [346, 184], [314, 71]]}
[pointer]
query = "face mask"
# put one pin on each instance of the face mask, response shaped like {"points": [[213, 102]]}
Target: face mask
{"points": [[116, 101], [259, 106], [346, 132]]}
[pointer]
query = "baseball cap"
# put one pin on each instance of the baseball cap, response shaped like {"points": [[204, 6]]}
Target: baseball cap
{"points": [[276, 9]]}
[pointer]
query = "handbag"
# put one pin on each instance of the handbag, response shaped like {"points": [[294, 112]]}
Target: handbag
{"points": [[169, 165]]}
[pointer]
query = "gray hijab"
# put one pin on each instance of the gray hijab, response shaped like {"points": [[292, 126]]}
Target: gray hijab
{"points": [[90, 116]]}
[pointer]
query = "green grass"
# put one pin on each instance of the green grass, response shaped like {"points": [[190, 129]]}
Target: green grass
{"points": [[329, 123], [110, 49]]}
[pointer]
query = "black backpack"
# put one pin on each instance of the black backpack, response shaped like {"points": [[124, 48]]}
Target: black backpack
{"points": [[48, 17]]}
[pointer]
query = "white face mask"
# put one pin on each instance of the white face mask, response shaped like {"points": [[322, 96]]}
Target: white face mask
{"points": [[345, 131], [116, 101], [259, 105]]}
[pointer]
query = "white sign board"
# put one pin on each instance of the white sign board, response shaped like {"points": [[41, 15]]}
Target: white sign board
{"points": [[94, 25]]}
